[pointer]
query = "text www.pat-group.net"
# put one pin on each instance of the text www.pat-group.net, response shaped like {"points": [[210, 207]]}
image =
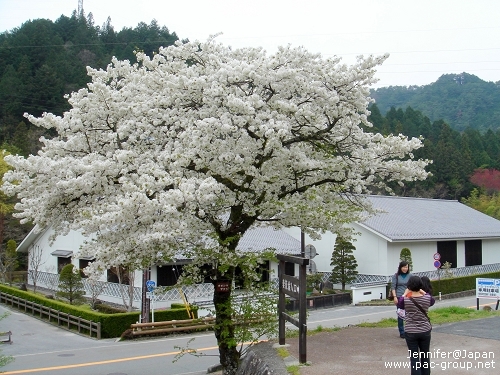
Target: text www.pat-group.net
{"points": [[456, 359]]}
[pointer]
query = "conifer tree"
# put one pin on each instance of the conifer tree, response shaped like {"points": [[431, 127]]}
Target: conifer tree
{"points": [[343, 261], [70, 285], [405, 255]]}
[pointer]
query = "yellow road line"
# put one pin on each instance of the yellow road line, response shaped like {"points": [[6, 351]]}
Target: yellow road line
{"points": [[99, 363]]}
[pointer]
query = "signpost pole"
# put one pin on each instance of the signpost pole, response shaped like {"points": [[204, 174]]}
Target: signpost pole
{"points": [[144, 300], [437, 264], [281, 303], [302, 315], [153, 306], [439, 281]]}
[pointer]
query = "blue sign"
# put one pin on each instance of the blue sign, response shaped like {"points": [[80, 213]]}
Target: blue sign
{"points": [[437, 263], [487, 288], [150, 284]]}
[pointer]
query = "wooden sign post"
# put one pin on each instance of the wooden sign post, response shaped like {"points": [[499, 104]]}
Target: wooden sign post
{"points": [[296, 288]]}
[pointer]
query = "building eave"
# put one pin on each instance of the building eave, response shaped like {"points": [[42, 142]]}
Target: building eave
{"points": [[25, 244]]}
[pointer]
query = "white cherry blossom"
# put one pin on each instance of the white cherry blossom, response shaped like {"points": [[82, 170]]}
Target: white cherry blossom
{"points": [[190, 148]]}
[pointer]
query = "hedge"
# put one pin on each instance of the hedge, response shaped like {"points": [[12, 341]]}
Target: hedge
{"points": [[460, 284], [112, 325], [456, 284]]}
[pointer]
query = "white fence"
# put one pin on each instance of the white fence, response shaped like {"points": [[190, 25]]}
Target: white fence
{"points": [[112, 292], [203, 293], [433, 275]]}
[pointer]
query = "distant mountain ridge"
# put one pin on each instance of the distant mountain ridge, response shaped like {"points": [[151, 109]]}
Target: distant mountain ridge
{"points": [[461, 100]]}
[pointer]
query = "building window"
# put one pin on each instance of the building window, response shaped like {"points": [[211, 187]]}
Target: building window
{"points": [[61, 262], [112, 275], [83, 263], [448, 252], [473, 252], [168, 274], [289, 268], [63, 258], [264, 271]]}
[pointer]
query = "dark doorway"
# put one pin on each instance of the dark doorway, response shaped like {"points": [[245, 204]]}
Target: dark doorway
{"points": [[448, 252], [473, 252], [168, 274]]}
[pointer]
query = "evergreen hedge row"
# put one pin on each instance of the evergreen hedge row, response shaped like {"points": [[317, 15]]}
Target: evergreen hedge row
{"points": [[460, 284], [454, 284], [112, 325]]}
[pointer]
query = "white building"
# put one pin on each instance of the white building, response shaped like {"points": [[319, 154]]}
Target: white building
{"points": [[461, 235], [55, 255]]}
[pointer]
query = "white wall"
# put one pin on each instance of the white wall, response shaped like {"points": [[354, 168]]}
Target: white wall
{"points": [[460, 254], [491, 251], [324, 248], [370, 253], [421, 255], [71, 242], [368, 292]]}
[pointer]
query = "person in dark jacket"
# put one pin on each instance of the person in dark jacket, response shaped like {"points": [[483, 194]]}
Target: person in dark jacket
{"points": [[398, 286], [416, 303]]}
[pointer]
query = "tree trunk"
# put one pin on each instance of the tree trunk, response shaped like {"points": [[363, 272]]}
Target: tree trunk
{"points": [[224, 326]]}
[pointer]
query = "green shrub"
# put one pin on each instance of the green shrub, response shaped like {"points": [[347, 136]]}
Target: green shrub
{"points": [[106, 309], [459, 284], [71, 285]]}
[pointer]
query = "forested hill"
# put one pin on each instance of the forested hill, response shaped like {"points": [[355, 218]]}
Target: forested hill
{"points": [[41, 60], [462, 100]]}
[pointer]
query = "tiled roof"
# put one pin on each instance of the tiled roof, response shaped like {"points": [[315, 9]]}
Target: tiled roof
{"points": [[261, 238], [258, 239], [428, 219]]}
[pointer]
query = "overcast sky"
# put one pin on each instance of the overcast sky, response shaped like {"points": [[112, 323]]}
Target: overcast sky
{"points": [[425, 38]]}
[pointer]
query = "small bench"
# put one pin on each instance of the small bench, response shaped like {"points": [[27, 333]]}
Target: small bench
{"points": [[6, 337]]}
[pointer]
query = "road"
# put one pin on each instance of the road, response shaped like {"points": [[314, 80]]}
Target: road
{"points": [[40, 348]]}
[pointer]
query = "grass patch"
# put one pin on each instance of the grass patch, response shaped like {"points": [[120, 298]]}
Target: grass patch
{"points": [[293, 370], [291, 333], [384, 323], [376, 302], [282, 352], [440, 315], [453, 314]]}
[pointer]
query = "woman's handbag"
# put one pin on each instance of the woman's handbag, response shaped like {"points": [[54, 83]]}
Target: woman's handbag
{"points": [[401, 313]]}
